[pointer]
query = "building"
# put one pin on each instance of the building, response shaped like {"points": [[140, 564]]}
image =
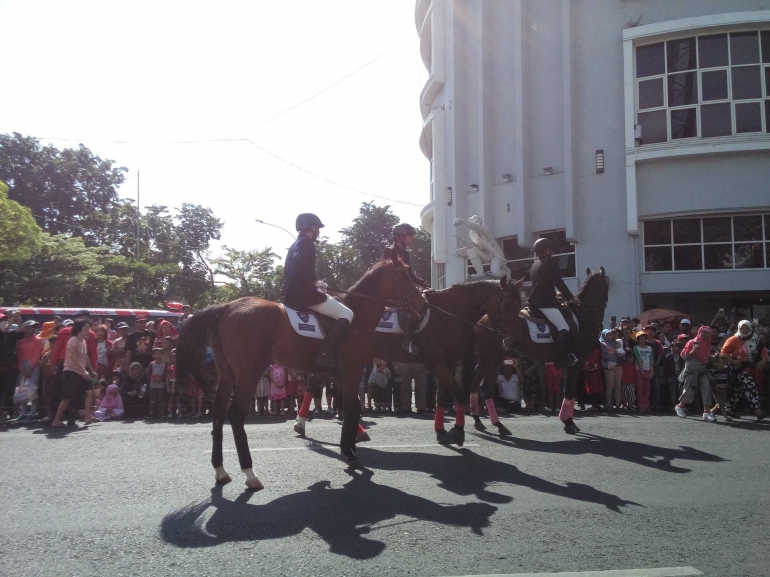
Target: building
{"points": [[635, 133]]}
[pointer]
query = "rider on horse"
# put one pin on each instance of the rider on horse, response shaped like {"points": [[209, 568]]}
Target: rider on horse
{"points": [[545, 280], [403, 237], [301, 289]]}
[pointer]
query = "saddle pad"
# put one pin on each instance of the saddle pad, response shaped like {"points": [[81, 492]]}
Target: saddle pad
{"points": [[541, 332], [389, 322], [305, 323]]}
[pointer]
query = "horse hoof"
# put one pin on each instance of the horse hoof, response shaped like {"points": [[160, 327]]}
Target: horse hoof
{"points": [[571, 429], [254, 484], [457, 436], [503, 430], [224, 480], [299, 428], [442, 437], [479, 426], [363, 437]]}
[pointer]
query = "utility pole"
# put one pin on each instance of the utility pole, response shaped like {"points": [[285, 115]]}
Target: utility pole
{"points": [[138, 215]]}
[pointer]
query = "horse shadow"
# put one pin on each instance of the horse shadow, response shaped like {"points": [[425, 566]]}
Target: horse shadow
{"points": [[473, 474], [631, 451], [345, 518]]}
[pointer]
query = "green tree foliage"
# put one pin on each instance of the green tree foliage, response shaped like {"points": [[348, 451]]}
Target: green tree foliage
{"points": [[421, 255], [338, 264], [20, 235], [253, 273], [370, 232]]}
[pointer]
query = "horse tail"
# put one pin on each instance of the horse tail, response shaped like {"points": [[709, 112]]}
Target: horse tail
{"points": [[196, 333]]}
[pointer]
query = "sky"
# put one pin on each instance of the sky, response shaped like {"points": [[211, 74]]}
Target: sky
{"points": [[134, 80]]}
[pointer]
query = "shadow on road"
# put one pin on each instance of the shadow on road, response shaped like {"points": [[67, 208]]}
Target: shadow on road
{"points": [[589, 444], [343, 517]]}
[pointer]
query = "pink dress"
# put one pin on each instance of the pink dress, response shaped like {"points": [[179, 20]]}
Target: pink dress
{"points": [[277, 383]]}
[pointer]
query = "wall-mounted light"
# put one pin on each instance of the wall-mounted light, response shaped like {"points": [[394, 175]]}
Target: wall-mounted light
{"points": [[449, 196], [507, 177], [548, 170], [475, 187], [599, 161]]}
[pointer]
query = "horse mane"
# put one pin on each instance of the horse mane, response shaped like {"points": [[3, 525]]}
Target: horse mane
{"points": [[588, 280], [472, 286], [368, 283]]}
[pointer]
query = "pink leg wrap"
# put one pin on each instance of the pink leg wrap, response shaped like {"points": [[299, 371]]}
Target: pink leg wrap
{"points": [[360, 429], [460, 418], [492, 410], [438, 420], [475, 404], [304, 410], [567, 408]]}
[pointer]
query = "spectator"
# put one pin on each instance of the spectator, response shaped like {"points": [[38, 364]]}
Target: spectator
{"points": [[277, 389], [592, 371], [509, 387], [111, 406], [629, 379], [95, 324], [665, 335], [745, 353], [103, 347], [174, 392], [696, 355], [645, 362], [379, 381], [140, 343], [110, 325], [534, 388], [76, 375], [612, 357], [134, 390], [9, 365], [158, 375], [720, 383], [186, 314], [118, 353], [553, 387], [673, 367], [684, 327], [263, 393], [293, 382], [656, 379], [166, 329], [408, 373], [29, 350]]}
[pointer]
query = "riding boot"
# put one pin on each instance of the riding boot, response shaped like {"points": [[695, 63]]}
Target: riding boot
{"points": [[563, 358], [407, 324], [328, 355]]}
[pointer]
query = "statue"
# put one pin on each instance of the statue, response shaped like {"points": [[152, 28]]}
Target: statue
{"points": [[483, 249]]}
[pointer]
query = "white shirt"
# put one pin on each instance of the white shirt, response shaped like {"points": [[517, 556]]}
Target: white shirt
{"points": [[509, 389]]}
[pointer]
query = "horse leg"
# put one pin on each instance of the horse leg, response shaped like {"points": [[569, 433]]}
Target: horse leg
{"points": [[568, 404], [351, 413], [221, 400], [244, 392], [304, 410], [490, 379], [457, 434]]}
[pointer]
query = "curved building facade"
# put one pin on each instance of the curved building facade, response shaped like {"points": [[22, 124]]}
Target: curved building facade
{"points": [[635, 134]]}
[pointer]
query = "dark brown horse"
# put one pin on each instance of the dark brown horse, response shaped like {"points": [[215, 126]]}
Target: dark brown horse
{"points": [[590, 313], [250, 333], [448, 338]]}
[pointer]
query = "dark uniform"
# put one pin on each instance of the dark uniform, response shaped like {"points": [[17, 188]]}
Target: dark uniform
{"points": [[404, 318], [299, 290], [406, 257], [546, 278]]}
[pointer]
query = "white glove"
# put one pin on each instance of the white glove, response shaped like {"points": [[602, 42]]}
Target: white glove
{"points": [[321, 285]]}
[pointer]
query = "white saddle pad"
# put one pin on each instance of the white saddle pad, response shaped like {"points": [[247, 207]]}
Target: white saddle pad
{"points": [[389, 322], [541, 332], [305, 324]]}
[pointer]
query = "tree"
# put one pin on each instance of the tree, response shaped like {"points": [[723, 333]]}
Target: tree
{"points": [[20, 235], [338, 264], [370, 232], [421, 254], [253, 273]]}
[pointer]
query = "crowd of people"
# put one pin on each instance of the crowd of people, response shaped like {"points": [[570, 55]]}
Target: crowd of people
{"points": [[94, 369]]}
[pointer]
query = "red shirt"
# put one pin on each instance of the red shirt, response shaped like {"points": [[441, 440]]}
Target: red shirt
{"points": [[29, 349], [59, 349]]}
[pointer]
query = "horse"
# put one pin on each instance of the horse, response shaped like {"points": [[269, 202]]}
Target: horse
{"points": [[593, 296], [448, 338], [248, 334]]}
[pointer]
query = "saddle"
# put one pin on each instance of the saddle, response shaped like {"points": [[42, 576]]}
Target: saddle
{"points": [[389, 322], [541, 329], [307, 323]]}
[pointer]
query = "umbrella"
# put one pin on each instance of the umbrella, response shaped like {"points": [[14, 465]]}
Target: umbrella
{"points": [[661, 315]]}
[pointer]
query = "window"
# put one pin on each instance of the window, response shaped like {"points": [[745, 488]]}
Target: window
{"points": [[703, 86], [440, 275], [708, 243], [520, 259]]}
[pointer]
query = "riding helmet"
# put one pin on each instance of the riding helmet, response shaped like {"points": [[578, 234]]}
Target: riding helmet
{"points": [[541, 244], [403, 228], [306, 220]]}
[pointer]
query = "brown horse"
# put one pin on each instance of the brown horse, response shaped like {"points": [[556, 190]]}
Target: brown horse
{"points": [[590, 313], [448, 338], [250, 333]]}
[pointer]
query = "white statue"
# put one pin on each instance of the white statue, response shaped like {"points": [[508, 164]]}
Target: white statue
{"points": [[483, 249]]}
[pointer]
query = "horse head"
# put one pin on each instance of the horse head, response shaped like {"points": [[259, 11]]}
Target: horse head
{"points": [[508, 304], [595, 288], [404, 292]]}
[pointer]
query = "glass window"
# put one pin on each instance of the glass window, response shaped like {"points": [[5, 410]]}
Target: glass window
{"points": [[651, 93], [650, 60], [681, 54], [716, 120], [654, 127], [767, 115], [718, 229], [765, 34], [512, 250], [767, 79], [748, 117], [688, 257], [718, 256], [712, 51], [744, 48], [521, 268], [657, 232], [747, 228], [714, 85], [767, 254], [746, 82], [560, 243], [686, 230], [683, 89], [657, 258], [749, 255], [683, 123]]}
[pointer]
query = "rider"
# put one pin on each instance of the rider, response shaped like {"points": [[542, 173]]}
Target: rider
{"points": [[301, 289], [545, 280], [403, 237]]}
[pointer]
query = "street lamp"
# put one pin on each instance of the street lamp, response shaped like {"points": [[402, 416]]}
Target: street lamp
{"points": [[276, 226]]}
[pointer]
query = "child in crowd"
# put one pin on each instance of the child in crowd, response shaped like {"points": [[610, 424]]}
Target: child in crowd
{"points": [[292, 382], [553, 387], [157, 374], [111, 406], [592, 371], [134, 390], [509, 393], [174, 392], [673, 367], [719, 374], [645, 361], [277, 389], [628, 380], [695, 374], [263, 393], [379, 380]]}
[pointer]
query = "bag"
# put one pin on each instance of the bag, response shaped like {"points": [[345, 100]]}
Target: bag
{"points": [[25, 392]]}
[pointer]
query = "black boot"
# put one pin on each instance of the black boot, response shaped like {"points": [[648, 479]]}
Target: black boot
{"points": [[407, 325], [328, 355], [563, 358]]}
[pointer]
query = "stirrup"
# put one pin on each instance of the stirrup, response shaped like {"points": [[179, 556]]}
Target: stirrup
{"points": [[410, 347]]}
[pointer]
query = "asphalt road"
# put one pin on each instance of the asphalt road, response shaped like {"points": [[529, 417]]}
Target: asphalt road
{"points": [[633, 492]]}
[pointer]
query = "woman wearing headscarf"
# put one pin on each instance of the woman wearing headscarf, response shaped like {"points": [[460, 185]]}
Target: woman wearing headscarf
{"points": [[111, 406], [696, 355], [745, 352], [613, 355]]}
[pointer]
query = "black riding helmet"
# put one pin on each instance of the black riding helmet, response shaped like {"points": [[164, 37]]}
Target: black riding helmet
{"points": [[306, 220], [541, 244], [403, 228]]}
